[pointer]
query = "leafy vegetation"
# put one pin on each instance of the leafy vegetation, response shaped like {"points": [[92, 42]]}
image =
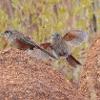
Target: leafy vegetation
{"points": [[42, 18]]}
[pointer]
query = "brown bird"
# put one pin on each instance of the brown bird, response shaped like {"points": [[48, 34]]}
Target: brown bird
{"points": [[60, 45], [22, 42]]}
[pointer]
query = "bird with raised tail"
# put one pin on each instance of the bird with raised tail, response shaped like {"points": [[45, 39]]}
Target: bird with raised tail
{"points": [[60, 45]]}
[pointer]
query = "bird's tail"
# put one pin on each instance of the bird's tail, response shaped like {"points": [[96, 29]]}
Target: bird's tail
{"points": [[45, 51], [72, 61], [34, 45]]}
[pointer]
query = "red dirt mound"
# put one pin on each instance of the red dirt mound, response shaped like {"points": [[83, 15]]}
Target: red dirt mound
{"points": [[26, 78], [90, 77]]}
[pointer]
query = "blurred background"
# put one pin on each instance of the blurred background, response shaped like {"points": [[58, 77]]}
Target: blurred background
{"points": [[40, 18]]}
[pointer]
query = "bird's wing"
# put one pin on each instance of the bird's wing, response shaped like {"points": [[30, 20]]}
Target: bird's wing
{"points": [[28, 41], [46, 45], [72, 61], [22, 38], [75, 37], [31, 44]]}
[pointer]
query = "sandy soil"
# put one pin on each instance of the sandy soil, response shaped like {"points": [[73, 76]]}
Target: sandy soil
{"points": [[90, 76], [26, 78]]}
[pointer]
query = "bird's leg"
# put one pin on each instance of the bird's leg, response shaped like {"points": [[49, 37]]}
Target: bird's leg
{"points": [[76, 76]]}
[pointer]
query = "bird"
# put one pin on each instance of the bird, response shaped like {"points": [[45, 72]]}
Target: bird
{"points": [[20, 41], [60, 45]]}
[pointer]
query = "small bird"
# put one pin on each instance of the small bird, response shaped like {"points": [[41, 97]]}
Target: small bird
{"points": [[22, 42], [60, 45]]}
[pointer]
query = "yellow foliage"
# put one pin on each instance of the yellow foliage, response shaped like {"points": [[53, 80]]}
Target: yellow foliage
{"points": [[47, 17], [3, 20]]}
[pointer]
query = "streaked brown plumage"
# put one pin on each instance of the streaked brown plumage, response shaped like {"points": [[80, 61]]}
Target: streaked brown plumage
{"points": [[22, 42], [60, 45]]}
